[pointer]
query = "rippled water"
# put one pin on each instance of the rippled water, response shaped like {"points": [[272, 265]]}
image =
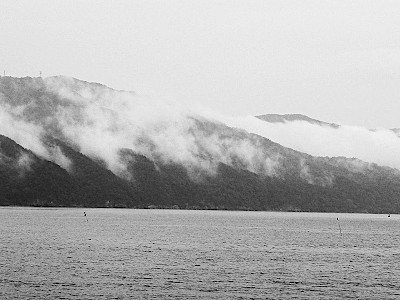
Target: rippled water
{"points": [[171, 254]]}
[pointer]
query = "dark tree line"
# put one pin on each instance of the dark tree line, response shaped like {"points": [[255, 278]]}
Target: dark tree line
{"points": [[90, 184]]}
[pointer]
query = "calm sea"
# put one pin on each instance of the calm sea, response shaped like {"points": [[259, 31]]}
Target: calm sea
{"points": [[172, 254]]}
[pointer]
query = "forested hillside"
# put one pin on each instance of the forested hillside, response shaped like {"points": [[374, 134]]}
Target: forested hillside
{"points": [[65, 142]]}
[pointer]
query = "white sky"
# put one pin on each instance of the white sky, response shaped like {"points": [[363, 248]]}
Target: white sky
{"points": [[337, 61]]}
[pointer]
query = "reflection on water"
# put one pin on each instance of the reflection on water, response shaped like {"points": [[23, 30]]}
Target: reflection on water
{"points": [[171, 254]]}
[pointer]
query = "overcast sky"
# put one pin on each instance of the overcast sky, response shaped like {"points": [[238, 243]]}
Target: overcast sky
{"points": [[337, 61]]}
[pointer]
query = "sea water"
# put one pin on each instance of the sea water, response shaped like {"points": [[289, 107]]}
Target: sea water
{"points": [[180, 254]]}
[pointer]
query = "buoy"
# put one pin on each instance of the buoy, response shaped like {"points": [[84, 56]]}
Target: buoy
{"points": [[340, 229]]}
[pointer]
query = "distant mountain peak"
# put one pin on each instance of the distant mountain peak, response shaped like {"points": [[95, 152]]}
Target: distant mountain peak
{"points": [[68, 80], [396, 131], [77, 85], [276, 118]]}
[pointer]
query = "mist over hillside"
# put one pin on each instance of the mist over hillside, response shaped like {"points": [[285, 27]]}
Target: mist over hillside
{"points": [[320, 138], [109, 148]]}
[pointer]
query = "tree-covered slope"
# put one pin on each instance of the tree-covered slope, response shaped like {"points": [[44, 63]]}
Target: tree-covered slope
{"points": [[65, 142]]}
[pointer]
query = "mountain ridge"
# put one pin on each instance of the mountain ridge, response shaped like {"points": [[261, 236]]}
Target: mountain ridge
{"points": [[285, 118], [126, 157], [278, 118]]}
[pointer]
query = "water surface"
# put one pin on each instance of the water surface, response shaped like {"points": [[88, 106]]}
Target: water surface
{"points": [[173, 254]]}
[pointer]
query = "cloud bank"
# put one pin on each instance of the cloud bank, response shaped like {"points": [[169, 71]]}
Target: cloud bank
{"points": [[101, 122], [380, 146]]}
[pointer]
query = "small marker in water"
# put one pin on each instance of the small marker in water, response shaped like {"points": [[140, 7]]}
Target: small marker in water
{"points": [[84, 213], [340, 229]]}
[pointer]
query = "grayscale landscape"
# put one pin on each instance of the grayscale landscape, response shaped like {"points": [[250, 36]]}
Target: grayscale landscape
{"points": [[199, 149]]}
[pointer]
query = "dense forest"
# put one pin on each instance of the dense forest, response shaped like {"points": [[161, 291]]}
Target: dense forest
{"points": [[89, 184], [66, 142]]}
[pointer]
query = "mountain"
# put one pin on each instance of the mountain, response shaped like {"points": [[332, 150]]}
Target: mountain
{"points": [[66, 142], [319, 138], [287, 118], [275, 118], [396, 131]]}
